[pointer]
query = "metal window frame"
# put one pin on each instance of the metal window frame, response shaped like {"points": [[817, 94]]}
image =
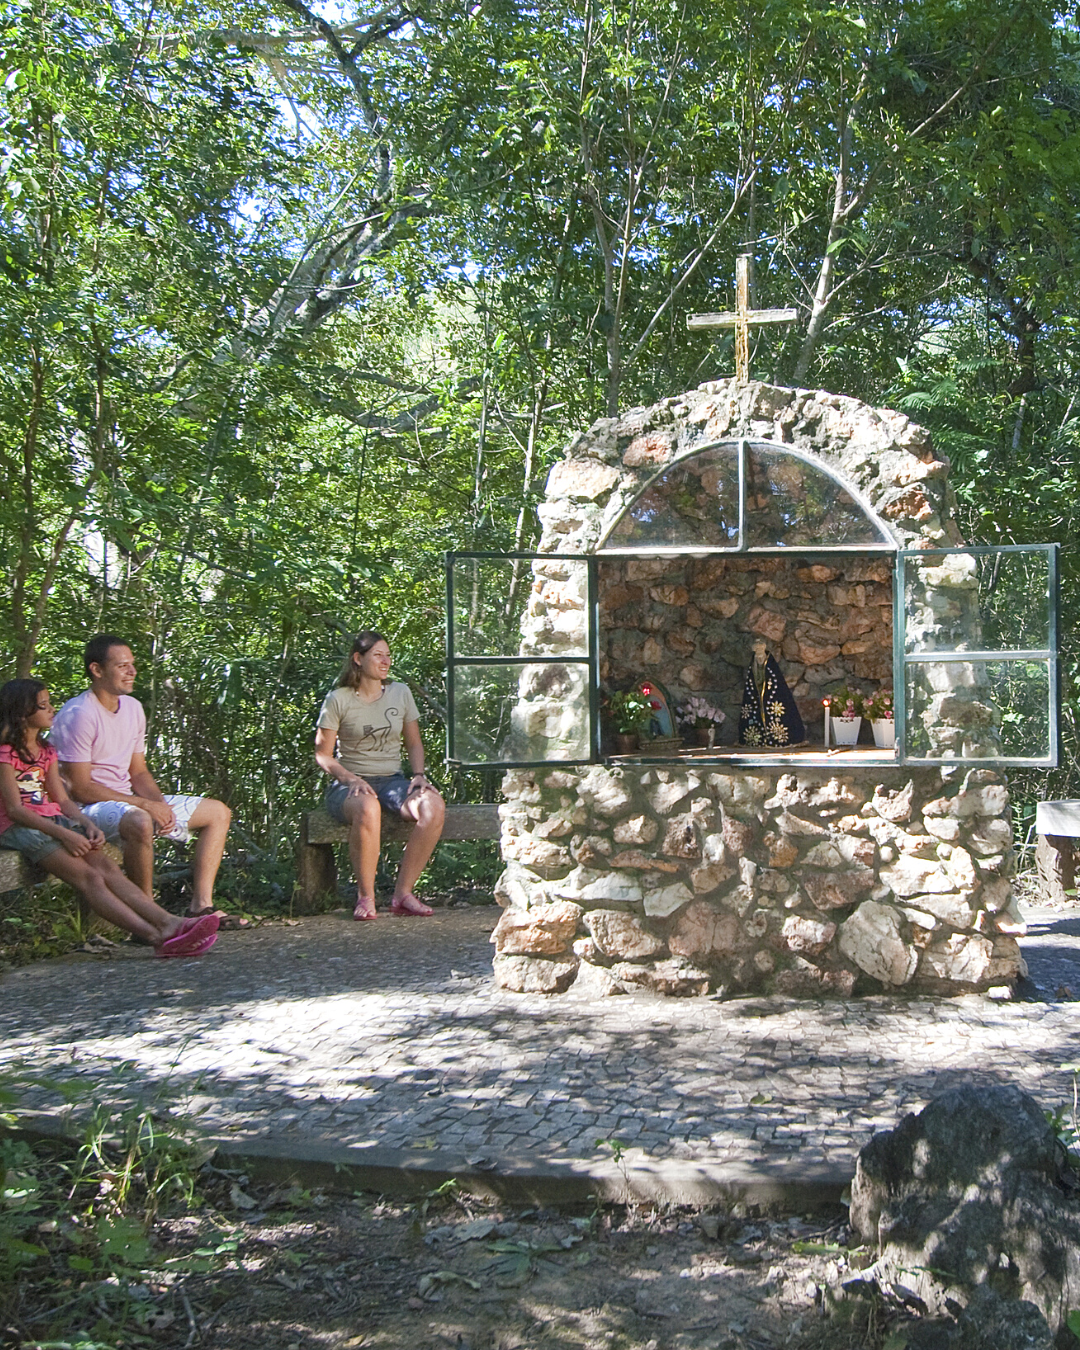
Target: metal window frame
{"points": [[902, 658], [591, 659], [887, 544]]}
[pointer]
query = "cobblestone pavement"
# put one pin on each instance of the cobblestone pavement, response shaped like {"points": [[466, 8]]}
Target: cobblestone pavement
{"points": [[391, 1034]]}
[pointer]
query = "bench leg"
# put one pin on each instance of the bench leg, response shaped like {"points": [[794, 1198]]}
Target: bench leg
{"points": [[1055, 866], [316, 875]]}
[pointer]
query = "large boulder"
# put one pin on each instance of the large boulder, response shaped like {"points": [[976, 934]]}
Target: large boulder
{"points": [[973, 1191]]}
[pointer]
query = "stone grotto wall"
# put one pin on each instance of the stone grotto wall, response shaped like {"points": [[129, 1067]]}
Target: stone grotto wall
{"points": [[808, 882]]}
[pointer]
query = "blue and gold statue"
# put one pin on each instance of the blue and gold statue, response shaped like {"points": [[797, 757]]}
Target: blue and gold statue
{"points": [[768, 716]]}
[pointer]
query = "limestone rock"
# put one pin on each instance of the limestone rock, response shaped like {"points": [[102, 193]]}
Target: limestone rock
{"points": [[542, 931], [596, 981], [667, 795], [605, 793], [838, 890], [644, 862], [991, 837], [808, 937], [962, 870], [792, 824], [594, 851], [1006, 964], [665, 977], [635, 830], [540, 854], [872, 939], [962, 958], [581, 480], [533, 974], [704, 932], [739, 794], [680, 839], [894, 806], [597, 887], [782, 852], [825, 854], [953, 907], [966, 1194], [708, 878], [518, 886], [805, 980], [910, 875], [660, 903], [620, 936], [943, 827], [738, 836], [651, 448]]}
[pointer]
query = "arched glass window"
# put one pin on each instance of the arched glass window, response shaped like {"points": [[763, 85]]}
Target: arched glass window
{"points": [[746, 496]]}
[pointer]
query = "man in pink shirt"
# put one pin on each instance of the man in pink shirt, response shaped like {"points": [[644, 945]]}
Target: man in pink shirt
{"points": [[100, 737]]}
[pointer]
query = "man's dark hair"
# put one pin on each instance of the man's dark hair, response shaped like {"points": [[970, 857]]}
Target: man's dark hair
{"points": [[97, 650]]}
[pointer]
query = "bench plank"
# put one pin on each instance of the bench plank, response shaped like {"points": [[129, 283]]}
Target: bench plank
{"points": [[462, 822], [15, 872], [316, 864]]}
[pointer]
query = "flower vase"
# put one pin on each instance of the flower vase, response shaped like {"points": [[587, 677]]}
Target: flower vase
{"points": [[846, 730], [626, 742], [884, 732], [705, 736]]}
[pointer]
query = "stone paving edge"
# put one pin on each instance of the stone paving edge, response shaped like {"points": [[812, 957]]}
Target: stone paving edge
{"points": [[794, 1187]]}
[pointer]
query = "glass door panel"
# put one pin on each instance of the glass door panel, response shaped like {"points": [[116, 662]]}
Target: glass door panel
{"points": [[976, 642], [521, 659]]}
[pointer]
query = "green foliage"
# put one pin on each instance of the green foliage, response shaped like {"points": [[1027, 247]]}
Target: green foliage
{"points": [[629, 711], [75, 1224]]}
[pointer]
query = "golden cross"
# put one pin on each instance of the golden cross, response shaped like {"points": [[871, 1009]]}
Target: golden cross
{"points": [[741, 318]]}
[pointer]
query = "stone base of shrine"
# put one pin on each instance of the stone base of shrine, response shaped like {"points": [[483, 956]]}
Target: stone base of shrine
{"points": [[807, 883]]}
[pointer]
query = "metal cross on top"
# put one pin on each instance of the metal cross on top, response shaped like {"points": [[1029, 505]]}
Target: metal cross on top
{"points": [[741, 318]]}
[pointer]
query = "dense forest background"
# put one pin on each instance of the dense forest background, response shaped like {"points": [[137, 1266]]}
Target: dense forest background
{"points": [[292, 300]]}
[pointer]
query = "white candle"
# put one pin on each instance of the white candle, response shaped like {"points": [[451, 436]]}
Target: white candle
{"points": [[826, 702]]}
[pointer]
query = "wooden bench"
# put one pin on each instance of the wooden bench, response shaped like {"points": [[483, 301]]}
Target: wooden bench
{"points": [[316, 863], [16, 873]]}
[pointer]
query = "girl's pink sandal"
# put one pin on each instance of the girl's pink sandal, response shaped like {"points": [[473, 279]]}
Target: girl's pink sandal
{"points": [[405, 906], [191, 939]]}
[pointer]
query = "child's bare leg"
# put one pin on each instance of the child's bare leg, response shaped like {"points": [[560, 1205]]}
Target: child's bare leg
{"points": [[129, 894], [90, 882]]}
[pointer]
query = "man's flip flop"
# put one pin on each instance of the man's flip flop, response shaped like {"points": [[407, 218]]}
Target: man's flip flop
{"points": [[191, 940], [407, 906]]}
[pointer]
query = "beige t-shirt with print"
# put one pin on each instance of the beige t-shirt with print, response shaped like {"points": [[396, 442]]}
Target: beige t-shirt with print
{"points": [[369, 734]]}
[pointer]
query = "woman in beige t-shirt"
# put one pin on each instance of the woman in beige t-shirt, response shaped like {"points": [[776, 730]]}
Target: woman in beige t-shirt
{"points": [[367, 717]]}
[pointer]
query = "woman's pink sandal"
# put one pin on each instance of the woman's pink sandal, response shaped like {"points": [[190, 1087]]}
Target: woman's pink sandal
{"points": [[365, 909], [407, 905]]}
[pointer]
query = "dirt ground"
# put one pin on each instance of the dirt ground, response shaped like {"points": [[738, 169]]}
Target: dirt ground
{"points": [[304, 1270]]}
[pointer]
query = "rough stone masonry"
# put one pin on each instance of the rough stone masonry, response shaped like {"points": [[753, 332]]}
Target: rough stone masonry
{"points": [[686, 880]]}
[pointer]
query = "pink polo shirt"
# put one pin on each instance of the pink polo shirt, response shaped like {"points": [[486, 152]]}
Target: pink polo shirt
{"points": [[85, 732]]}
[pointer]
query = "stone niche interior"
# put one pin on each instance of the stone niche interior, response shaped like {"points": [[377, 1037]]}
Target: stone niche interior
{"points": [[689, 623], [807, 879]]}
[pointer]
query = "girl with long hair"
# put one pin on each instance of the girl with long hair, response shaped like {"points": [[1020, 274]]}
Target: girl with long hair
{"points": [[39, 820], [366, 717]]}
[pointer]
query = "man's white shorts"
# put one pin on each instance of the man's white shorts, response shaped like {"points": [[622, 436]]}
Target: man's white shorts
{"points": [[108, 815]]}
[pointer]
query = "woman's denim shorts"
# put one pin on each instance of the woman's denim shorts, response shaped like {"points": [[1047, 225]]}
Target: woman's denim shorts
{"points": [[391, 791]]}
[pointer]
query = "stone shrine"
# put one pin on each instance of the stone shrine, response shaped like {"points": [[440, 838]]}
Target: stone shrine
{"points": [[804, 874]]}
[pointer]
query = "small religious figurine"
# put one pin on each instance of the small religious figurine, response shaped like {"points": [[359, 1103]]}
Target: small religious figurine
{"points": [[768, 715]]}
